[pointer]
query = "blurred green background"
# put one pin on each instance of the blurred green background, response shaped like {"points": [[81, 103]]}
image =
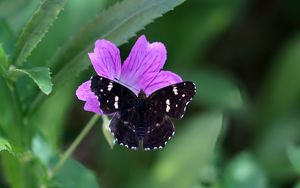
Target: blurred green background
{"points": [[241, 130]]}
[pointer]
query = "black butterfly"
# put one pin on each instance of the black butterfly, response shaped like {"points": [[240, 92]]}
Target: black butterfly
{"points": [[141, 121]]}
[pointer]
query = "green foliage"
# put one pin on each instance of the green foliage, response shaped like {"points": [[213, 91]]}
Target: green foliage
{"points": [[294, 157], [297, 185], [216, 89], [282, 85], [3, 62], [244, 171], [118, 23], [75, 175], [36, 28], [198, 140], [40, 75], [5, 146], [42, 150]]}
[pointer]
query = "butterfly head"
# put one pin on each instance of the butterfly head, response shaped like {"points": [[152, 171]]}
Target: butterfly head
{"points": [[142, 95]]}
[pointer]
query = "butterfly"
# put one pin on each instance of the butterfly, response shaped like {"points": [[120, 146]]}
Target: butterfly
{"points": [[141, 121]]}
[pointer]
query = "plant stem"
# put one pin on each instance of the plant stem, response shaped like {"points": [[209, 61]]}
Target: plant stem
{"points": [[18, 109], [76, 142]]}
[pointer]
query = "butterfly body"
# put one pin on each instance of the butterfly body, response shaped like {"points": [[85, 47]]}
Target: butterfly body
{"points": [[141, 109], [142, 121]]}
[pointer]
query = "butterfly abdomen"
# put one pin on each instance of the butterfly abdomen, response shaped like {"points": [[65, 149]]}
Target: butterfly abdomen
{"points": [[141, 107], [141, 130]]}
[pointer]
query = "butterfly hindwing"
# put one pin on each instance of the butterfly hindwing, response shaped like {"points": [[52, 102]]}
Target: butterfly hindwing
{"points": [[160, 129], [123, 127], [112, 96], [172, 100]]}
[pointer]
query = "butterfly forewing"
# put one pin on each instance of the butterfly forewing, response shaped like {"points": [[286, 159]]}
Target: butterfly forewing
{"points": [[112, 96], [172, 100]]}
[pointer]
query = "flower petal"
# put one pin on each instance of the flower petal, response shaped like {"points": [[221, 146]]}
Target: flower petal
{"points": [[163, 79], [84, 93], [106, 59], [143, 64]]}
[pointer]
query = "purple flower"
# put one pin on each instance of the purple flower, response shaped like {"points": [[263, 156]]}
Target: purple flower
{"points": [[140, 71]]}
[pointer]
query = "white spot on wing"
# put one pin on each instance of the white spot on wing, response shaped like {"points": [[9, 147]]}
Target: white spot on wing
{"points": [[167, 108], [168, 102], [116, 104], [183, 95], [168, 105], [110, 86], [175, 90]]}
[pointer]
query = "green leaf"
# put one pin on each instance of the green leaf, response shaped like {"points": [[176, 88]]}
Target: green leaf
{"points": [[281, 89], [297, 185], [294, 157], [13, 171], [49, 122], [105, 129], [3, 62], [118, 24], [75, 175], [189, 151], [244, 172], [42, 150], [274, 140], [216, 89], [5, 146], [36, 28], [40, 75], [7, 37]]}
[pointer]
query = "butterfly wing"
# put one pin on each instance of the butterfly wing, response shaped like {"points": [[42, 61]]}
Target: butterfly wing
{"points": [[112, 96], [160, 130], [172, 100], [123, 128]]}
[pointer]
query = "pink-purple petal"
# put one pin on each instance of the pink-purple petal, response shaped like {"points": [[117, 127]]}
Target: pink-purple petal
{"points": [[163, 79], [84, 93], [143, 63], [106, 59]]}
